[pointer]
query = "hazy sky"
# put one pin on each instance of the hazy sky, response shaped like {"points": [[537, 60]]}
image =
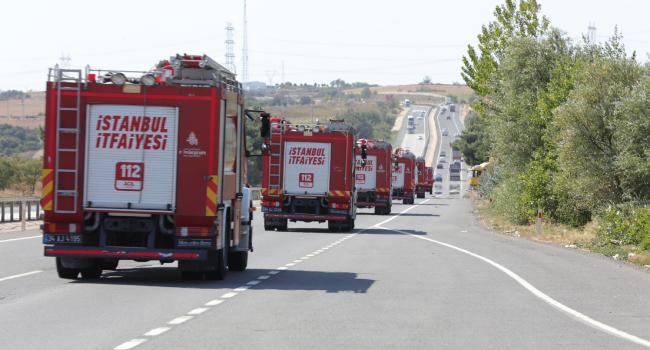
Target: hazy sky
{"points": [[383, 42]]}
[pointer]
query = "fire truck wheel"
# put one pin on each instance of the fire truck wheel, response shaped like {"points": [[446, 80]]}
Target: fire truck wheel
{"points": [[220, 268], [237, 261], [379, 210], [92, 273], [110, 264], [420, 195], [65, 272], [283, 225], [333, 226]]}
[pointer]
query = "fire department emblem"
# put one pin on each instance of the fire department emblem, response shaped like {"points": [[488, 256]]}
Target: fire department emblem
{"points": [[192, 139]]}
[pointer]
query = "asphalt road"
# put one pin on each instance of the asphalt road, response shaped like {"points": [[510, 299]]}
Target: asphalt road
{"points": [[426, 277], [415, 140]]}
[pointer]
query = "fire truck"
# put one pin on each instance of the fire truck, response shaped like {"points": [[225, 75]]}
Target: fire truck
{"points": [[308, 174], [403, 179], [146, 166], [421, 185], [373, 175], [430, 179]]}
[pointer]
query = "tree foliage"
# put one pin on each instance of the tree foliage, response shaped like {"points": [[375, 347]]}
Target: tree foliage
{"points": [[566, 124]]}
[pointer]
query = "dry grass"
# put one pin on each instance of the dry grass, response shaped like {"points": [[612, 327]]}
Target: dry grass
{"points": [[551, 233], [322, 111], [32, 106], [461, 92]]}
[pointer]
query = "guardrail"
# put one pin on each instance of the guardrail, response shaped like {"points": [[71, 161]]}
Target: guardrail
{"points": [[14, 209]]}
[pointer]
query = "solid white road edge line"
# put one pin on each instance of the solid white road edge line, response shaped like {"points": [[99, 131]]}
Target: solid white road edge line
{"points": [[538, 293], [19, 239], [20, 275]]}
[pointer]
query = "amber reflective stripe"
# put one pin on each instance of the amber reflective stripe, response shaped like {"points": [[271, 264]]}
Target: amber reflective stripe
{"points": [[48, 189], [211, 196]]}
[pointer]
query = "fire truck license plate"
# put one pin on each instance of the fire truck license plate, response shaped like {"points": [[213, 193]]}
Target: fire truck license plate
{"points": [[306, 180], [129, 176], [361, 178]]}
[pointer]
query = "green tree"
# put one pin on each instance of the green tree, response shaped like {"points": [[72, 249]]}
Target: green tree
{"points": [[512, 20]]}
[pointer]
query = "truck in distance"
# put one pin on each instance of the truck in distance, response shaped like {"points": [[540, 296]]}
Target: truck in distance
{"points": [[454, 171], [403, 179], [146, 166], [373, 176], [308, 174], [421, 184]]}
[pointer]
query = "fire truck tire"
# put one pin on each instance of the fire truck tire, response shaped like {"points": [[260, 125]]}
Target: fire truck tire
{"points": [[92, 273], [333, 226], [237, 261], [283, 225], [379, 210], [220, 268], [65, 272], [110, 264], [192, 275]]}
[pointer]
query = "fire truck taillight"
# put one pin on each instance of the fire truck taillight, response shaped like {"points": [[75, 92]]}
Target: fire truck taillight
{"points": [[272, 204], [339, 205]]}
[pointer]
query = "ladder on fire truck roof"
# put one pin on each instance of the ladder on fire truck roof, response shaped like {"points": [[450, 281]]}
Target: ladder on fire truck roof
{"points": [[275, 160], [68, 123]]}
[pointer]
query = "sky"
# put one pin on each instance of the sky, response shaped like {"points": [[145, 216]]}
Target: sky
{"points": [[311, 41]]}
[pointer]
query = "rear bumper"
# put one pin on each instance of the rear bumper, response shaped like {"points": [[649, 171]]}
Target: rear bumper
{"points": [[305, 217], [126, 253], [370, 204]]}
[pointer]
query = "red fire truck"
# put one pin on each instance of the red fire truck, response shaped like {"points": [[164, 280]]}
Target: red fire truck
{"points": [[308, 174], [403, 178], [430, 179], [421, 186], [146, 166], [373, 175]]}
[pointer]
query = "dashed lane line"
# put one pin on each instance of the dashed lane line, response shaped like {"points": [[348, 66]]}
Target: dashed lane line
{"points": [[19, 239], [198, 311], [20, 275]]}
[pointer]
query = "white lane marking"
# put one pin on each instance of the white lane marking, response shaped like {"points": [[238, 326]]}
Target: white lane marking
{"points": [[181, 319], [130, 344], [20, 275], [157, 331], [538, 293], [19, 239], [263, 277], [274, 272], [290, 264], [304, 258], [398, 214], [241, 289], [198, 310], [253, 283], [214, 302], [297, 261], [282, 268], [228, 295], [310, 255]]}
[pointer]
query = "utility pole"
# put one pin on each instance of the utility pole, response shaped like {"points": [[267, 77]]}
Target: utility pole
{"points": [[244, 58], [282, 82], [591, 32], [230, 44]]}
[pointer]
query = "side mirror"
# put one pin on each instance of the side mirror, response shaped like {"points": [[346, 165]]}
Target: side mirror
{"points": [[364, 153], [265, 147], [265, 128], [363, 162]]}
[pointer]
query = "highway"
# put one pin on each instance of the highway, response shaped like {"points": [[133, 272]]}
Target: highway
{"points": [[428, 276]]}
